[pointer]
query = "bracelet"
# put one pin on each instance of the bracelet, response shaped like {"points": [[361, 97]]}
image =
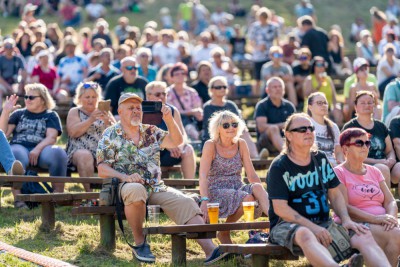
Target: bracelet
{"points": [[204, 199]]}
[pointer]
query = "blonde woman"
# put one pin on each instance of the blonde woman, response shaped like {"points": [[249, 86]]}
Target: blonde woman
{"points": [[221, 164]]}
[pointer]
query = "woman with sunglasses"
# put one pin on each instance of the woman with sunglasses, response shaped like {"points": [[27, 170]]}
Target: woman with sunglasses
{"points": [[34, 131], [221, 163], [319, 81], [326, 131], [186, 100], [218, 91], [381, 153], [368, 198], [85, 126]]}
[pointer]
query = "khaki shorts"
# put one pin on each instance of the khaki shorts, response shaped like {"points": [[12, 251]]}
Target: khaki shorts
{"points": [[176, 205]]}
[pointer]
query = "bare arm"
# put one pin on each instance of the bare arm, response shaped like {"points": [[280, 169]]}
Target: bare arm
{"points": [[76, 127], [338, 203], [308, 88], [106, 171], [205, 165], [174, 137], [396, 143], [262, 124]]}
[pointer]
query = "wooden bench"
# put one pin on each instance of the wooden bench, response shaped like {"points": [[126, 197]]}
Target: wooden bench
{"points": [[179, 234], [167, 171], [260, 253], [48, 202]]}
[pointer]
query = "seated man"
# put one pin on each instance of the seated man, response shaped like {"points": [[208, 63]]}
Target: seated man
{"points": [[182, 154], [277, 68], [130, 151], [271, 114]]}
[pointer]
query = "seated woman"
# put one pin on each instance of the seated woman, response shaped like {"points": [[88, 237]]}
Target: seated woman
{"points": [[326, 131], [34, 132], [365, 48], [368, 198], [186, 100], [319, 81], [85, 126], [221, 165], [218, 90], [388, 68], [336, 49], [183, 154], [222, 65], [381, 153]]}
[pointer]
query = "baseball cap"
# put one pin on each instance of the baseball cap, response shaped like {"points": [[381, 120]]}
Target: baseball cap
{"points": [[128, 96], [359, 62]]}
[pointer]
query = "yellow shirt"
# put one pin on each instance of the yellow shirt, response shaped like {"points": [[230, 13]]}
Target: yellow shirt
{"points": [[325, 88]]}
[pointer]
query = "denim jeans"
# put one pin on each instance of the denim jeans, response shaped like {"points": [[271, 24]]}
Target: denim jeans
{"points": [[53, 158], [6, 156]]}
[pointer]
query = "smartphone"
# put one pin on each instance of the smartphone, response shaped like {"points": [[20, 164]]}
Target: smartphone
{"points": [[104, 105], [152, 112]]}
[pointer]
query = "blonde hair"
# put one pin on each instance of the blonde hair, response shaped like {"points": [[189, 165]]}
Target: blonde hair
{"points": [[213, 80], [80, 90], [219, 118], [43, 93], [150, 86]]}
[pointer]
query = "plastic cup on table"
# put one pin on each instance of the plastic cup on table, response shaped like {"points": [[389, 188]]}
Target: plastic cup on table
{"points": [[248, 211], [213, 212]]}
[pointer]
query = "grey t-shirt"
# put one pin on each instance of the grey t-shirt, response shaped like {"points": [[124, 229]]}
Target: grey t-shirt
{"points": [[9, 68]]}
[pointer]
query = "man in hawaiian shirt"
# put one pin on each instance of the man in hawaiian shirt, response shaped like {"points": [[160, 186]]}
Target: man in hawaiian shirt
{"points": [[129, 150]]}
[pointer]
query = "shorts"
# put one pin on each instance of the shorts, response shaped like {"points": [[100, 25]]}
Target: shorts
{"points": [[257, 69], [176, 205], [166, 160], [264, 142]]}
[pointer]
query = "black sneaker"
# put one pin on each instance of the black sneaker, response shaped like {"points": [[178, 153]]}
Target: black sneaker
{"points": [[143, 253], [216, 256]]}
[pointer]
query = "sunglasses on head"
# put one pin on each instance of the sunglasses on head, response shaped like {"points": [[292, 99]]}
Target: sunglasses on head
{"points": [[90, 85], [303, 129], [131, 68], [30, 97], [360, 143], [219, 87], [226, 125], [158, 94], [277, 55]]}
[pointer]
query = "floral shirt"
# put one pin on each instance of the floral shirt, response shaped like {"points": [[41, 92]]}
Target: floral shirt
{"points": [[125, 157], [190, 100]]}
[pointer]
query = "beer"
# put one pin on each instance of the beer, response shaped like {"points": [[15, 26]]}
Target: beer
{"points": [[213, 212], [248, 211]]}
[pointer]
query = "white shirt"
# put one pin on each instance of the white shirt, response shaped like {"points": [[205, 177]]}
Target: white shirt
{"points": [[395, 69], [324, 143], [166, 54], [95, 10], [201, 53]]}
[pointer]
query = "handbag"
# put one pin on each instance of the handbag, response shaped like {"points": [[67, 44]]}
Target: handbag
{"points": [[108, 192], [340, 248], [34, 188]]}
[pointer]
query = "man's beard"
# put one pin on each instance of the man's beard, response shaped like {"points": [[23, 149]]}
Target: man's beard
{"points": [[135, 122]]}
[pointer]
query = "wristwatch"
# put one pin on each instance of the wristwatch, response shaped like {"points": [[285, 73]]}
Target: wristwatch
{"points": [[204, 199]]}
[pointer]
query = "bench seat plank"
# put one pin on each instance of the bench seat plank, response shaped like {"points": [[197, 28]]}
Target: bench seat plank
{"points": [[56, 197]]}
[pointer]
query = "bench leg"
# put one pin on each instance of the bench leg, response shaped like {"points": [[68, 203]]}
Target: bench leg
{"points": [[107, 231], [259, 260], [48, 216], [178, 250]]}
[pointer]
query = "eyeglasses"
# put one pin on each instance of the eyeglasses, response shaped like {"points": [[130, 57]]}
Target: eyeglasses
{"points": [[303, 129], [179, 73], [360, 143], [131, 67], [90, 85], [363, 68], [158, 94], [321, 103], [277, 55], [226, 125], [219, 87], [31, 97], [320, 64]]}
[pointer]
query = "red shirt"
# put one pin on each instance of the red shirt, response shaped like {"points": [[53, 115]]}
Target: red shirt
{"points": [[46, 78]]}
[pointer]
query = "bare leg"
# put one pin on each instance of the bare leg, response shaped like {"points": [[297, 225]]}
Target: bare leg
{"points": [[188, 163], [389, 241], [135, 214], [274, 136], [250, 144], [261, 195], [372, 253], [206, 244], [84, 161], [315, 252]]}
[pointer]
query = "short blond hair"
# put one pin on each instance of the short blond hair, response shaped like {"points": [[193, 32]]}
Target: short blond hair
{"points": [[219, 118], [43, 93], [159, 84]]}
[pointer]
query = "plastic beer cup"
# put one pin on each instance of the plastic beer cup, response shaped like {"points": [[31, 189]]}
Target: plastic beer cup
{"points": [[213, 212], [248, 211], [153, 215]]}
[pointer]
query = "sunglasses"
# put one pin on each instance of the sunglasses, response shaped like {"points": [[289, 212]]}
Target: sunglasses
{"points": [[131, 68], [219, 87], [360, 143], [90, 85], [30, 97], [226, 125], [303, 57], [363, 68], [303, 129], [321, 103], [277, 55], [158, 94], [8, 46], [320, 64]]}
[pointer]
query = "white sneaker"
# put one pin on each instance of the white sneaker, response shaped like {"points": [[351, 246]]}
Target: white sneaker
{"points": [[17, 168]]}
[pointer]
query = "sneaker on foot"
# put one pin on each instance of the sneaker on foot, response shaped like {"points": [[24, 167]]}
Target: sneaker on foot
{"points": [[143, 253], [17, 168], [264, 153], [20, 205], [216, 256]]}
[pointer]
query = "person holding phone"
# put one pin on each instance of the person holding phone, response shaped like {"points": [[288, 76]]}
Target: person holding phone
{"points": [[182, 154], [85, 124]]}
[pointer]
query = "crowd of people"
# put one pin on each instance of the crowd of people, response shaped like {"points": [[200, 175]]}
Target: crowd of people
{"points": [[327, 153]]}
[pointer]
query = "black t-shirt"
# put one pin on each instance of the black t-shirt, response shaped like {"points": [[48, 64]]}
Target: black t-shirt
{"points": [[301, 187], [202, 90], [394, 129], [317, 41], [238, 45], [298, 70], [117, 86], [31, 127], [378, 135], [274, 114]]}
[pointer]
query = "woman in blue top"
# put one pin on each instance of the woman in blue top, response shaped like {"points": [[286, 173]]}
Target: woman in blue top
{"points": [[144, 57]]}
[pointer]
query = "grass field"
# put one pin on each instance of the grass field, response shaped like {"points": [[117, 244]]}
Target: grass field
{"points": [[75, 239]]}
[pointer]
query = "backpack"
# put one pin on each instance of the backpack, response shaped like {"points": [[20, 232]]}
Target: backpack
{"points": [[34, 188]]}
